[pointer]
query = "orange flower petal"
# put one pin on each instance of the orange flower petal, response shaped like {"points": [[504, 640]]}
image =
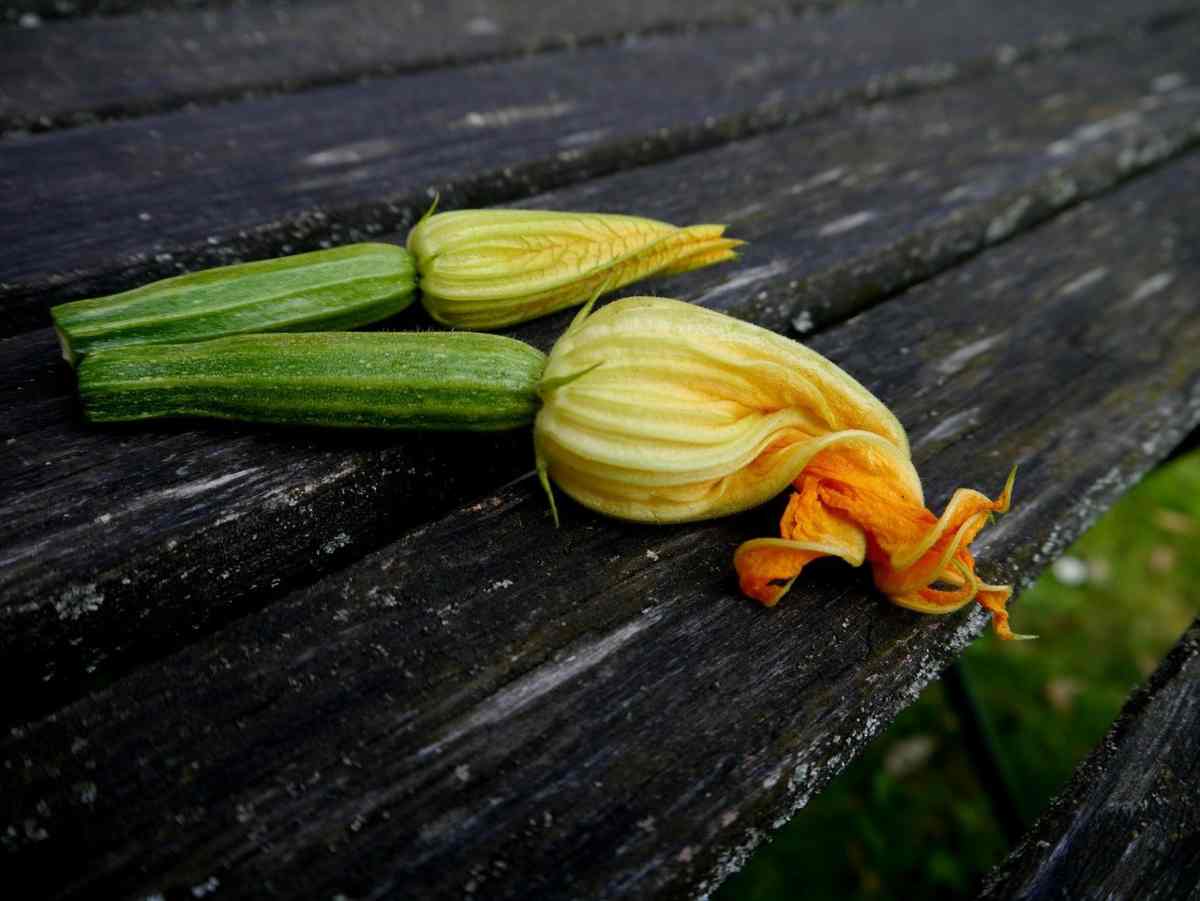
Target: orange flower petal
{"points": [[920, 561], [767, 566]]}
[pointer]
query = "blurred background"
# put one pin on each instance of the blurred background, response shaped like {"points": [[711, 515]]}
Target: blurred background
{"points": [[912, 818]]}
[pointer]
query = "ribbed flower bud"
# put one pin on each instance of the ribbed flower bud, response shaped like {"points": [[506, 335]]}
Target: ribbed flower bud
{"points": [[661, 411], [485, 269]]}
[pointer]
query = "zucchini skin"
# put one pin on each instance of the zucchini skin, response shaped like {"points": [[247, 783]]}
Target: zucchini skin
{"points": [[326, 290], [424, 381]]}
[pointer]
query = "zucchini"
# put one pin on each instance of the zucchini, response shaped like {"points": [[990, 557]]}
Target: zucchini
{"points": [[386, 380], [340, 288]]}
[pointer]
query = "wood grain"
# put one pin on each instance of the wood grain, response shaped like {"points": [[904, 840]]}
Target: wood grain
{"points": [[1127, 825], [14, 10], [120, 204], [114, 67], [140, 517], [491, 707]]}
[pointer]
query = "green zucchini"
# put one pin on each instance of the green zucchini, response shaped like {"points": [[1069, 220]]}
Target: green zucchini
{"points": [[340, 288], [459, 381]]}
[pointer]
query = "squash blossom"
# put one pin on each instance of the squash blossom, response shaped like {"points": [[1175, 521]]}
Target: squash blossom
{"points": [[485, 269], [660, 411]]}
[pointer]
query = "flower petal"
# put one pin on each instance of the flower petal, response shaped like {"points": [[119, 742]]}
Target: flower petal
{"points": [[767, 567]]}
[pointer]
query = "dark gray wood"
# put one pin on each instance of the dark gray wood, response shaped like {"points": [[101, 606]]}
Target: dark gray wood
{"points": [[15, 10], [123, 203], [1127, 825], [492, 707], [112, 67], [134, 519]]}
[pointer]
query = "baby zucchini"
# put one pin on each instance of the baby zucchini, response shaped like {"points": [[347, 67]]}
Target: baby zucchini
{"points": [[340, 288], [460, 381]]}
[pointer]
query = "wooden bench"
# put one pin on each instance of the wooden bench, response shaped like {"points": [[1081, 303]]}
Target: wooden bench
{"points": [[1127, 825], [260, 661]]}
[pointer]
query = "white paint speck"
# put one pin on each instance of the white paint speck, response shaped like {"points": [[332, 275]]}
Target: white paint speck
{"points": [[481, 26], [336, 543], [802, 322], [207, 887], [1094, 131], [1089, 278], [513, 115], [30, 20], [949, 428], [954, 362], [652, 556], [1006, 55], [744, 281], [1153, 285], [847, 223], [580, 138], [1171, 81], [829, 176], [462, 773], [349, 154], [960, 192], [1008, 221]]}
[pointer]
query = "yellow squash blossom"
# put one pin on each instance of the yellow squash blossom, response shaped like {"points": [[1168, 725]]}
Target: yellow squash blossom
{"points": [[485, 269], [660, 411]]}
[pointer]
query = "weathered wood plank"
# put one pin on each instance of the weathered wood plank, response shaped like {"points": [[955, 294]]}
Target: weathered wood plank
{"points": [[118, 204], [114, 67], [134, 521], [492, 707], [1127, 825], [14, 10]]}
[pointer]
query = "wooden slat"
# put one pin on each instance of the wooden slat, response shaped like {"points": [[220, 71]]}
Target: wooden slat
{"points": [[15, 10], [492, 707], [1127, 825], [119, 204], [132, 521], [113, 67]]}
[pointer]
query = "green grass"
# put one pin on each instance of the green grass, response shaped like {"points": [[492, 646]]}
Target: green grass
{"points": [[909, 819]]}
